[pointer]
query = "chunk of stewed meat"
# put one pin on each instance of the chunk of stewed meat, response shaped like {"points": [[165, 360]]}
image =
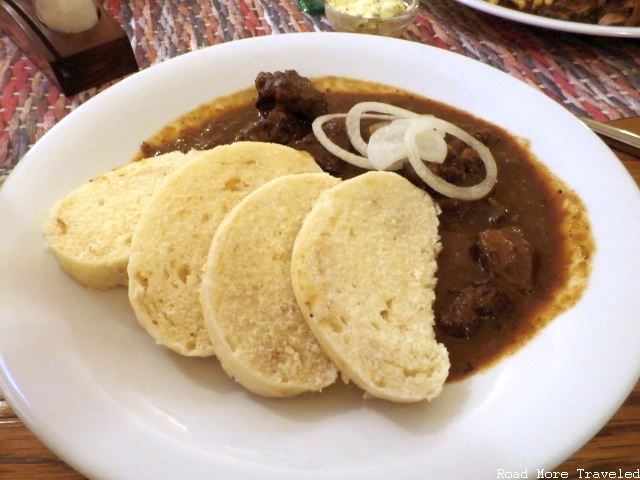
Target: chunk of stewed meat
{"points": [[275, 127], [462, 166], [289, 92], [470, 308], [327, 161], [508, 257], [337, 132]]}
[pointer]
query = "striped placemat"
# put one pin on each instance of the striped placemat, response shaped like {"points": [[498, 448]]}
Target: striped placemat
{"points": [[598, 77]]}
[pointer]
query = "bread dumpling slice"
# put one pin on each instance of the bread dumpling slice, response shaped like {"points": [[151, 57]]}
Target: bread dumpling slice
{"points": [[174, 233], [89, 231], [363, 272], [258, 332]]}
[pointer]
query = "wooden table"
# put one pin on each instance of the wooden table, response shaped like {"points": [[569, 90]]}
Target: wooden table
{"points": [[597, 77]]}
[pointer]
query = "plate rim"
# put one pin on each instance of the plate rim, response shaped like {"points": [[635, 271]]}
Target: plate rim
{"points": [[551, 23]]}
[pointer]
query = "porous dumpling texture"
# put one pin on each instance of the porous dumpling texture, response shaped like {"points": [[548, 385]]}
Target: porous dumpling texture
{"points": [[174, 233], [363, 272], [89, 231], [258, 332]]}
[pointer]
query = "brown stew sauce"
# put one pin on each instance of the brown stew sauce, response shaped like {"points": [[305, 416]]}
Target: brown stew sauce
{"points": [[527, 196]]}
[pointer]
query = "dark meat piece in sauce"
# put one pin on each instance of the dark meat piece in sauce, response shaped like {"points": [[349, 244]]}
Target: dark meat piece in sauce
{"points": [[471, 307], [508, 257], [462, 166], [287, 103], [289, 92], [337, 132], [275, 127]]}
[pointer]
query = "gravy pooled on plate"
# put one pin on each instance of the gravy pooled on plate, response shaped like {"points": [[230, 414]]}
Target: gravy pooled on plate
{"points": [[511, 261]]}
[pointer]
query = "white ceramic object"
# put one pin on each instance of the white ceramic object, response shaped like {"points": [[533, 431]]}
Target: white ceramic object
{"points": [[552, 23]]}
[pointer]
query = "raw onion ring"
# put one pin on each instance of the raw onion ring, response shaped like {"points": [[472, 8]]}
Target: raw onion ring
{"points": [[473, 192], [387, 149], [408, 136], [364, 110], [337, 150]]}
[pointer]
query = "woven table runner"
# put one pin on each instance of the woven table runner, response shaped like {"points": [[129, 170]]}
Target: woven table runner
{"points": [[594, 76]]}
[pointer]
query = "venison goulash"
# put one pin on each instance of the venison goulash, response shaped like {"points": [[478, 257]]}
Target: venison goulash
{"points": [[511, 260]]}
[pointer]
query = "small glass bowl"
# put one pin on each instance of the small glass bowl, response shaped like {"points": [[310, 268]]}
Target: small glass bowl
{"points": [[388, 26]]}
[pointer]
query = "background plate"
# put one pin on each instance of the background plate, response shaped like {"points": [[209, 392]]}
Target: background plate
{"points": [[96, 389], [551, 23]]}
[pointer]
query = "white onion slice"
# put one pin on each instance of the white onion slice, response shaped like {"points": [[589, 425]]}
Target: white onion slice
{"points": [[325, 141], [407, 136], [387, 149], [440, 185], [360, 110], [428, 142]]}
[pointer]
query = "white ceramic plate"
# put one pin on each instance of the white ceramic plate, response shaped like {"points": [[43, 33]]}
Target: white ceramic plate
{"points": [[94, 387], [551, 23]]}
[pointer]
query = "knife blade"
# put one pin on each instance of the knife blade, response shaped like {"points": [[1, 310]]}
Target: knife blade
{"points": [[617, 138]]}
